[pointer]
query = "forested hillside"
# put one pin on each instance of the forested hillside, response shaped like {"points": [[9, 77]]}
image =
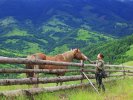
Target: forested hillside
{"points": [[118, 51], [56, 26]]}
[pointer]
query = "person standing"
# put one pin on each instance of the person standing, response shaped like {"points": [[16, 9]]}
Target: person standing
{"points": [[100, 73]]}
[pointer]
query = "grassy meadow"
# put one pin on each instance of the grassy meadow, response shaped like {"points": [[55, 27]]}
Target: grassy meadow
{"points": [[115, 90], [121, 89]]}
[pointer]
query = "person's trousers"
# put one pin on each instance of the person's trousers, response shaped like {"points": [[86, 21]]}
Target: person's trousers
{"points": [[99, 82]]}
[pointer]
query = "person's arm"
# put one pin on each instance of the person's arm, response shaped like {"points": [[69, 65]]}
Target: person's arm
{"points": [[99, 65], [92, 62]]}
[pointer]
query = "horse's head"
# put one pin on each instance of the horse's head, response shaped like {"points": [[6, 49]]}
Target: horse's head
{"points": [[79, 55]]}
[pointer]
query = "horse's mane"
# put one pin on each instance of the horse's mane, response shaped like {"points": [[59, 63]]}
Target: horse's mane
{"points": [[69, 52], [68, 55]]}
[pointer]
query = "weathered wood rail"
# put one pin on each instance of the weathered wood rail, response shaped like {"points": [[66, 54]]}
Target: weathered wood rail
{"points": [[33, 91], [47, 80], [6, 60], [56, 70]]}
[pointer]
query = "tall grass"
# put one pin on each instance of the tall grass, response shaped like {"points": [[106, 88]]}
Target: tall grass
{"points": [[116, 90]]}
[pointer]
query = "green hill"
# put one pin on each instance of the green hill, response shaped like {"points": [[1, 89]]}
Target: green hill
{"points": [[49, 38], [56, 26], [116, 51]]}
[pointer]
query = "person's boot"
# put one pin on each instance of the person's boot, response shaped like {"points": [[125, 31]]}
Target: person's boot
{"points": [[99, 88], [103, 88]]}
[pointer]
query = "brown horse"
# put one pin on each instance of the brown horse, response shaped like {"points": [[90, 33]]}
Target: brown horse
{"points": [[65, 57], [40, 56]]}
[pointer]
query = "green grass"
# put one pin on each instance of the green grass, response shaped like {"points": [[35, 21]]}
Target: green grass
{"points": [[14, 87], [7, 53], [130, 52], [116, 90], [55, 25], [54, 37], [27, 49], [17, 32], [59, 49], [129, 63], [13, 41], [32, 48], [120, 90], [55, 22], [44, 41], [85, 35]]}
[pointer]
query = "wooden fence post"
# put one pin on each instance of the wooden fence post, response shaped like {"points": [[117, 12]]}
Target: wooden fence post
{"points": [[36, 75], [124, 72], [109, 69], [108, 73], [82, 70]]}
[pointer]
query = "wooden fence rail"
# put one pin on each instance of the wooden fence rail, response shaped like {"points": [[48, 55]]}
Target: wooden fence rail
{"points": [[118, 66], [38, 70], [56, 70], [36, 62], [47, 80], [33, 91], [6, 60], [42, 80]]}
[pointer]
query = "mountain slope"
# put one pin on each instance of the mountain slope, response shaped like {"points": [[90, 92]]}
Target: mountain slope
{"points": [[118, 51], [55, 33], [106, 16], [55, 26]]}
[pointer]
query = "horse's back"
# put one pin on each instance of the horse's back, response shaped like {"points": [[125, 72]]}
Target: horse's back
{"points": [[58, 58], [40, 56]]}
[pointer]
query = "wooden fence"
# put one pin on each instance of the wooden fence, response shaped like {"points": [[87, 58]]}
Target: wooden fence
{"points": [[82, 68]]}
